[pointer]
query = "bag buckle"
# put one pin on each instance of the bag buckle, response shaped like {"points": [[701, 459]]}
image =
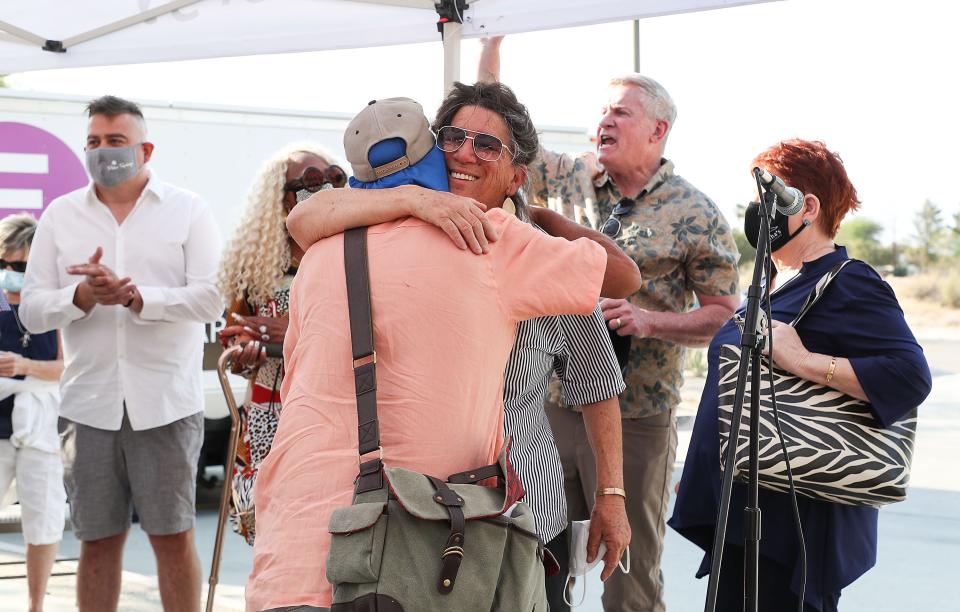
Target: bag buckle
{"points": [[370, 477], [360, 457], [453, 550], [365, 360]]}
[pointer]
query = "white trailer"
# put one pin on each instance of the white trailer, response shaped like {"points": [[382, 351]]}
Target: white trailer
{"points": [[213, 150]]}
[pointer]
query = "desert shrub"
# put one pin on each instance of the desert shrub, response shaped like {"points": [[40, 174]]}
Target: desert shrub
{"points": [[695, 363], [940, 287], [950, 289]]}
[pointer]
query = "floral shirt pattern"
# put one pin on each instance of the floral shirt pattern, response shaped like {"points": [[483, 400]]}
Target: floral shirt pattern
{"points": [[679, 239]]}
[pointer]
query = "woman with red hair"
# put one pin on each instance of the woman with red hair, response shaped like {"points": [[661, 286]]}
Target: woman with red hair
{"points": [[854, 340]]}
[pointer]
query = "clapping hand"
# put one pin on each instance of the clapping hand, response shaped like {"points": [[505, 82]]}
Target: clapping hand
{"points": [[105, 287], [254, 333], [270, 330]]}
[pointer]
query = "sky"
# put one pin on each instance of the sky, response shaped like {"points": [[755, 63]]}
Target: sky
{"points": [[876, 80]]}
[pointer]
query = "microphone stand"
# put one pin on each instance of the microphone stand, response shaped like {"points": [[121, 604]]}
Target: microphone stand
{"points": [[752, 340]]}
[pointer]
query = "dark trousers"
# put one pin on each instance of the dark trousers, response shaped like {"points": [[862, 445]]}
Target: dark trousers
{"points": [[560, 547], [773, 588]]}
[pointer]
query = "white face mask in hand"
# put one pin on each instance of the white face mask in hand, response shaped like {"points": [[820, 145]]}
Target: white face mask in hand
{"points": [[579, 533]]}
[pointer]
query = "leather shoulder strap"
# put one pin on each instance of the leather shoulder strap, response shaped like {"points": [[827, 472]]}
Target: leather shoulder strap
{"points": [[819, 289], [361, 336]]}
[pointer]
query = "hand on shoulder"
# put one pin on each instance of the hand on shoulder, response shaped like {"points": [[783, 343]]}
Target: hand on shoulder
{"points": [[462, 219]]}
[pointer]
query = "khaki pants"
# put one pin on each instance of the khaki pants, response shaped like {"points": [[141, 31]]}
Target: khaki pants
{"points": [[649, 449]]}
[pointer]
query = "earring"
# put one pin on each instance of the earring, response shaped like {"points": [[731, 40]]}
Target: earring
{"points": [[806, 222], [509, 207]]}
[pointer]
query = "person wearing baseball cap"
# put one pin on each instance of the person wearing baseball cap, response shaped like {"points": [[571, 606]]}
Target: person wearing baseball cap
{"points": [[487, 139], [444, 324], [389, 143]]}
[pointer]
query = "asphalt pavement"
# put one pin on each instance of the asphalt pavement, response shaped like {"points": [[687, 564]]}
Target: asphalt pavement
{"points": [[919, 548]]}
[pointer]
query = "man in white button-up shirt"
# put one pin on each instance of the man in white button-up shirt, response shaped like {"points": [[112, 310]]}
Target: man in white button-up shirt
{"points": [[126, 268]]}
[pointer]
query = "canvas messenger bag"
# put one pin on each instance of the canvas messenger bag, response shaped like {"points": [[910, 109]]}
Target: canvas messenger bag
{"points": [[412, 542]]}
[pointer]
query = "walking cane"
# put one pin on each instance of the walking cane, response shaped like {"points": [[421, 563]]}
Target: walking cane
{"points": [[225, 361], [223, 364]]}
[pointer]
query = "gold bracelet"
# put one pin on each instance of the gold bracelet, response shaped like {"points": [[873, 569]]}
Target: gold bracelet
{"points": [[830, 370], [612, 491]]}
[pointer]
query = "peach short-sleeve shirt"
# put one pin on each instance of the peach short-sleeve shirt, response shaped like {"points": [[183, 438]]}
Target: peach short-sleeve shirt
{"points": [[444, 323]]}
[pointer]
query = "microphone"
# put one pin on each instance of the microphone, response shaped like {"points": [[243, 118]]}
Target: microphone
{"points": [[789, 199]]}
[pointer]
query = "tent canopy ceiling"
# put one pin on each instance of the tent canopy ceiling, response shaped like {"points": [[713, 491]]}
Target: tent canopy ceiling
{"points": [[107, 32]]}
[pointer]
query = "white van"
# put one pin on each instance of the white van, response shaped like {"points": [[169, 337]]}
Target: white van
{"points": [[212, 150]]}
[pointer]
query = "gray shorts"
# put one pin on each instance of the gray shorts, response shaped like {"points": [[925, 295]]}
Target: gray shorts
{"points": [[109, 473]]}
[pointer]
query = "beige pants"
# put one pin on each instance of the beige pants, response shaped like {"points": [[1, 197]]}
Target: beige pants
{"points": [[649, 449]]}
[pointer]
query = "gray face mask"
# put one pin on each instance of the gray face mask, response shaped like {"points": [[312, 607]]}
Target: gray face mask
{"points": [[303, 194], [110, 166]]}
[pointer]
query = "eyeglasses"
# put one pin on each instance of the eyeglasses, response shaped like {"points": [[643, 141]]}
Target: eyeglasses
{"points": [[314, 179], [485, 146], [612, 226], [16, 266]]}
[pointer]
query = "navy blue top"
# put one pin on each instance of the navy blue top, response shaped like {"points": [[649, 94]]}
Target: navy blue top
{"points": [[858, 317], [43, 347]]}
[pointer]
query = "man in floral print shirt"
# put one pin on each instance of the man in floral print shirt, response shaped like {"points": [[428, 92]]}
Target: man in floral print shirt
{"points": [[687, 258]]}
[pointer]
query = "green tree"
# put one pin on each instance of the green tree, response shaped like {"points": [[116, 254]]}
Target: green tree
{"points": [[2, 83], [929, 233], [954, 236], [861, 236], [747, 252]]}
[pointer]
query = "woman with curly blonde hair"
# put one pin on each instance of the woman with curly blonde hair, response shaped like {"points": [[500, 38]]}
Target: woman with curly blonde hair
{"points": [[258, 265]]}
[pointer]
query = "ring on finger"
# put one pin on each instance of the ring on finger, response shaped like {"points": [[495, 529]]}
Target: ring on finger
{"points": [[617, 323]]}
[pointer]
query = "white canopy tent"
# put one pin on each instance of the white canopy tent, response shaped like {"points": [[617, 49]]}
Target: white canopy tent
{"points": [[46, 34]]}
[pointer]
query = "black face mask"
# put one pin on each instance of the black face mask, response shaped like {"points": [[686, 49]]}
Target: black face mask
{"points": [[779, 235]]}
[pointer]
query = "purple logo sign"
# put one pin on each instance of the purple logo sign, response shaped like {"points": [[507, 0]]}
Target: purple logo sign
{"points": [[35, 168]]}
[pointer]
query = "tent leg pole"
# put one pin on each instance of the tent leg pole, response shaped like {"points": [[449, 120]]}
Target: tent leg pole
{"points": [[636, 45], [451, 54]]}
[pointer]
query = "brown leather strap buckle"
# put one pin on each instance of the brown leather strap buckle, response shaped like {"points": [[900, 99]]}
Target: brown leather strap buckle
{"points": [[365, 360], [450, 562], [452, 550], [360, 457], [452, 554], [370, 477]]}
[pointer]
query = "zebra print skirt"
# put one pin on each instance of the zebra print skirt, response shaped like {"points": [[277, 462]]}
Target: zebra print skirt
{"points": [[838, 451]]}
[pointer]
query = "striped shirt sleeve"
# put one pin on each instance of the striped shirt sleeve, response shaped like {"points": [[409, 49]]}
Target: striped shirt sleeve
{"points": [[587, 368]]}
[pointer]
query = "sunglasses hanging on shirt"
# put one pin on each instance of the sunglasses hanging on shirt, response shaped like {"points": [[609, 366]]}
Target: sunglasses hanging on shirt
{"points": [[612, 226]]}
